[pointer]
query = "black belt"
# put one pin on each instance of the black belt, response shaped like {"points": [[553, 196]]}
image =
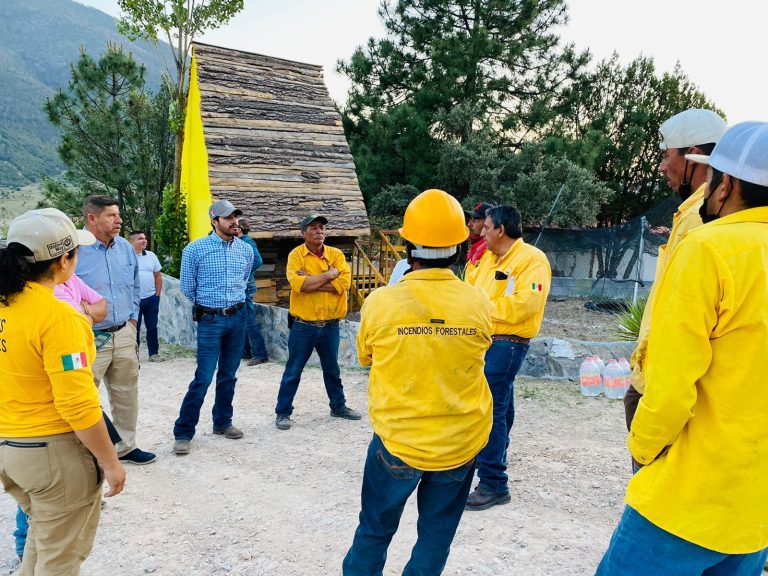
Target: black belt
{"points": [[222, 311], [318, 323], [511, 338], [113, 329]]}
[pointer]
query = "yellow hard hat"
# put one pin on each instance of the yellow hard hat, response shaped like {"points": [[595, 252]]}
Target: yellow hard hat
{"points": [[434, 218]]}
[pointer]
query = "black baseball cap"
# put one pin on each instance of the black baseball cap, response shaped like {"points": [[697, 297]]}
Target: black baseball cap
{"points": [[480, 209]]}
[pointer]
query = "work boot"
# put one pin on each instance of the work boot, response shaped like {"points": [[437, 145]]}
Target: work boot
{"points": [[347, 413], [231, 432], [181, 447], [482, 499], [283, 422]]}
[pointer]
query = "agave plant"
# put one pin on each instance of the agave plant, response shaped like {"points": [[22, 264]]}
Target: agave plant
{"points": [[629, 320]]}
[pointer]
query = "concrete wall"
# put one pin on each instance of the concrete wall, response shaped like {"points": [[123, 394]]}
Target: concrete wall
{"points": [[547, 358]]}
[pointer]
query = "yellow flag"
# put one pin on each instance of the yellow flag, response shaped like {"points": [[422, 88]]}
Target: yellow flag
{"points": [[194, 163]]}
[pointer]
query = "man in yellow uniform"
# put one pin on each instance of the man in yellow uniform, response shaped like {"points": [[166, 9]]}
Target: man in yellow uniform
{"points": [[516, 277], [694, 131], [700, 503], [319, 277], [425, 338]]}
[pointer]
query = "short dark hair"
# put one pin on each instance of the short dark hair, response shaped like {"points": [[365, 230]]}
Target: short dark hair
{"points": [[432, 263], [16, 270], [136, 233], [509, 217], [705, 148], [752, 195], [95, 204]]}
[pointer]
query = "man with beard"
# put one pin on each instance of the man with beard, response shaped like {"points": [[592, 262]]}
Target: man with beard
{"points": [[214, 275], [694, 131], [699, 504], [319, 276]]}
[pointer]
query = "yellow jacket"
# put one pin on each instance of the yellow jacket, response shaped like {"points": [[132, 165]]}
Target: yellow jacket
{"points": [[517, 284], [46, 352], [685, 219], [705, 398], [314, 306], [425, 338]]}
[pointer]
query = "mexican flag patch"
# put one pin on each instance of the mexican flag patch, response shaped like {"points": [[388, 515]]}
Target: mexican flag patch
{"points": [[536, 287], [74, 361]]}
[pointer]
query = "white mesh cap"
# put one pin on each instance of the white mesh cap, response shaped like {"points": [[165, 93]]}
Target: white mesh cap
{"points": [[742, 153], [691, 128]]}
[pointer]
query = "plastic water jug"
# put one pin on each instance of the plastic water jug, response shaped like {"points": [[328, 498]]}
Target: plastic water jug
{"points": [[627, 371], [601, 366], [589, 377], [613, 380]]}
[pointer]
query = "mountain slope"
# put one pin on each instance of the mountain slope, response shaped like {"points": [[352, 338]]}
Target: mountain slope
{"points": [[39, 40]]}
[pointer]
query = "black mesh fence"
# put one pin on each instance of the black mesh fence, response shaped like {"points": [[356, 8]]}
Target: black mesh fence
{"points": [[607, 256]]}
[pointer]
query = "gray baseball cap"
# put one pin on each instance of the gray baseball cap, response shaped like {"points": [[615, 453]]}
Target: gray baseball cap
{"points": [[223, 208], [311, 218], [48, 233]]}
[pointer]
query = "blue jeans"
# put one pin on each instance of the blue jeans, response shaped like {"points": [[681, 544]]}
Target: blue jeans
{"points": [[148, 310], [502, 362], [640, 548], [219, 340], [20, 534], [302, 339], [254, 343], [388, 482]]}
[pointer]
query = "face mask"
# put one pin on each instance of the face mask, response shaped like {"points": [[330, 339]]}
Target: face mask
{"points": [[706, 217]]}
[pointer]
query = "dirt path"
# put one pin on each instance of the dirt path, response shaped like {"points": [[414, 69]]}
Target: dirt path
{"points": [[286, 503]]}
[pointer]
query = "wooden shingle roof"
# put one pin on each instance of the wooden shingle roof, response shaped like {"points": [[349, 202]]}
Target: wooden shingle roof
{"points": [[276, 146]]}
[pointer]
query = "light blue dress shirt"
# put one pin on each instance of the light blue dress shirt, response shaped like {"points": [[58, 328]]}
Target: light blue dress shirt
{"points": [[113, 272]]}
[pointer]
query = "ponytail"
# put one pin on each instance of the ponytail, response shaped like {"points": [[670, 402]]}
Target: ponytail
{"points": [[16, 270]]}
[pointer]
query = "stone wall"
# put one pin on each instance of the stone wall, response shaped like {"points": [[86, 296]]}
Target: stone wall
{"points": [[547, 358]]}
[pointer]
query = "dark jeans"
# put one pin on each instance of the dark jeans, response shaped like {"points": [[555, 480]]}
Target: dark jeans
{"points": [[388, 482], [20, 534], [502, 362], [640, 548], [254, 343], [219, 340], [148, 311], [302, 339]]}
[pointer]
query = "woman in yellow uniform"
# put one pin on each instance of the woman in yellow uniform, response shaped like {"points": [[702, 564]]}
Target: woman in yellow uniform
{"points": [[54, 447]]}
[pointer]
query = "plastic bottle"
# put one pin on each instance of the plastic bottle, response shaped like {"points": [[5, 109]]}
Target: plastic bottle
{"points": [[589, 377], [613, 380], [627, 372]]}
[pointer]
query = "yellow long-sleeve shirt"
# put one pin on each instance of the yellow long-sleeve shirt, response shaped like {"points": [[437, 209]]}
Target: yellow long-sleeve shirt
{"points": [[706, 390], [518, 284], [685, 219], [425, 338], [46, 352], [318, 306]]}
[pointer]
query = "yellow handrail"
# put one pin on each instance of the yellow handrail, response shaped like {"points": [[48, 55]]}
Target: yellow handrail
{"points": [[388, 253], [365, 276]]}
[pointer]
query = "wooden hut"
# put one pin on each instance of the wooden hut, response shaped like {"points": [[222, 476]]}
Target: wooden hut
{"points": [[276, 149]]}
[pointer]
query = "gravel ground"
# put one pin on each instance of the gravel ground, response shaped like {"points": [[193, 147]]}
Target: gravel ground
{"points": [[286, 503]]}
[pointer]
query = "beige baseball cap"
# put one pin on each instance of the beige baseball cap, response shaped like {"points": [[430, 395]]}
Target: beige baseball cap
{"points": [[691, 127], [48, 233]]}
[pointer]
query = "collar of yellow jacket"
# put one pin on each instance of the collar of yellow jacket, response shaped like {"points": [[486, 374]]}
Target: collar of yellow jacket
{"points": [[693, 199], [759, 214], [429, 274], [516, 245]]}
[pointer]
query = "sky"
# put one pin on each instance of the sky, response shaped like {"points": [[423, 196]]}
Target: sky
{"points": [[720, 45]]}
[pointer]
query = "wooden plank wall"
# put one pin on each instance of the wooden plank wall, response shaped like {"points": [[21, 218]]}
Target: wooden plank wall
{"points": [[276, 146]]}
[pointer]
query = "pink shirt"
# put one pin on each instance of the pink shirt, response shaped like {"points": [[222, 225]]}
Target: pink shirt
{"points": [[74, 291]]}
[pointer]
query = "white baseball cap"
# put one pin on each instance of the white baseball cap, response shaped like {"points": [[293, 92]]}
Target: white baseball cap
{"points": [[691, 128], [742, 153], [48, 233]]}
